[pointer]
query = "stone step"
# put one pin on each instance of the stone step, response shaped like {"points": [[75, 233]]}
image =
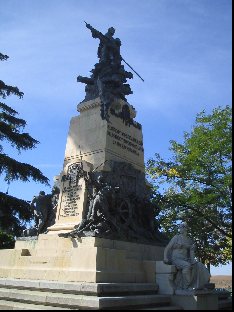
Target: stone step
{"points": [[98, 289], [225, 304], [223, 293], [11, 305], [81, 301], [159, 308]]}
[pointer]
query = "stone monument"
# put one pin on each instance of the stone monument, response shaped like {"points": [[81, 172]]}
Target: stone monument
{"points": [[105, 229], [103, 188]]}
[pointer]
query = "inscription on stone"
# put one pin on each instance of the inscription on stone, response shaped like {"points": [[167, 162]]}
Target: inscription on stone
{"points": [[73, 186], [125, 141]]}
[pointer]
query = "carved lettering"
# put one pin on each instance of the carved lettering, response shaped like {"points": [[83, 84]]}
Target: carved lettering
{"points": [[71, 190], [125, 141]]}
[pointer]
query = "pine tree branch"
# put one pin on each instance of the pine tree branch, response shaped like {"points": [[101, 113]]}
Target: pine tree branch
{"points": [[10, 204], [3, 57], [8, 109], [15, 170], [12, 120], [19, 140], [14, 213], [6, 90]]}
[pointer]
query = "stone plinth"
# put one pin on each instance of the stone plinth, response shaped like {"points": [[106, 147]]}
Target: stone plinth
{"points": [[89, 259], [197, 300], [98, 141], [164, 277]]}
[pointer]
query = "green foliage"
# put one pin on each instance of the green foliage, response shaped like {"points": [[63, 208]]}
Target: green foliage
{"points": [[14, 212], [197, 183], [6, 240]]}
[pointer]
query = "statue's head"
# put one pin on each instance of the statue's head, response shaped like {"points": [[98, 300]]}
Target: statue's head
{"points": [[183, 227], [111, 31], [42, 193]]}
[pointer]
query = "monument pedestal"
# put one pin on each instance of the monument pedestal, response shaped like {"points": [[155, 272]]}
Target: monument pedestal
{"points": [[113, 148], [99, 141], [88, 259]]}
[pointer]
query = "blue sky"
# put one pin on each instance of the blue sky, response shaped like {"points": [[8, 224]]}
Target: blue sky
{"points": [[182, 48]]}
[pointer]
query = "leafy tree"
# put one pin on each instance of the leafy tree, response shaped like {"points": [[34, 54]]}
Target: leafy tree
{"points": [[14, 212], [6, 240], [195, 185]]}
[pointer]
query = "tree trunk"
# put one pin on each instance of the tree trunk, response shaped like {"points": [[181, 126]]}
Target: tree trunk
{"points": [[208, 266]]}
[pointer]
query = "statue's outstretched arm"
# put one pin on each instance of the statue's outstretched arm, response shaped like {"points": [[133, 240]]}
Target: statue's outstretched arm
{"points": [[96, 33], [86, 80]]}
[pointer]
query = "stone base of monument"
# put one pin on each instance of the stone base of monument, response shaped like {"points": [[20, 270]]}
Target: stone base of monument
{"points": [[41, 295], [50, 272], [87, 259]]}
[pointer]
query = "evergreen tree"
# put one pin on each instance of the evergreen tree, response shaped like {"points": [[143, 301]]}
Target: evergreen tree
{"points": [[197, 183], [14, 212]]}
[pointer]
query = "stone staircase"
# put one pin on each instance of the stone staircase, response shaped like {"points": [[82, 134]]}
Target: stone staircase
{"points": [[225, 299], [49, 295]]}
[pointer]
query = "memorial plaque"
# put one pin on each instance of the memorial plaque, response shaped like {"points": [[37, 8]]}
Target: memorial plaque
{"points": [[73, 185], [73, 195]]}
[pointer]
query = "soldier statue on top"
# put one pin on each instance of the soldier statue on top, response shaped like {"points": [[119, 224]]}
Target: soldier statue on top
{"points": [[109, 47], [109, 77]]}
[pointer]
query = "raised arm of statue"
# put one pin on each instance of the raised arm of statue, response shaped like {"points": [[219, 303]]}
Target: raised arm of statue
{"points": [[96, 33], [86, 80]]}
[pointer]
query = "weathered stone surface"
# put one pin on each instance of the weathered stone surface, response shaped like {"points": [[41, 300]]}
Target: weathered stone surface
{"points": [[81, 301], [11, 305], [163, 268], [114, 150], [25, 293], [98, 141], [87, 259], [165, 283], [98, 289]]}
